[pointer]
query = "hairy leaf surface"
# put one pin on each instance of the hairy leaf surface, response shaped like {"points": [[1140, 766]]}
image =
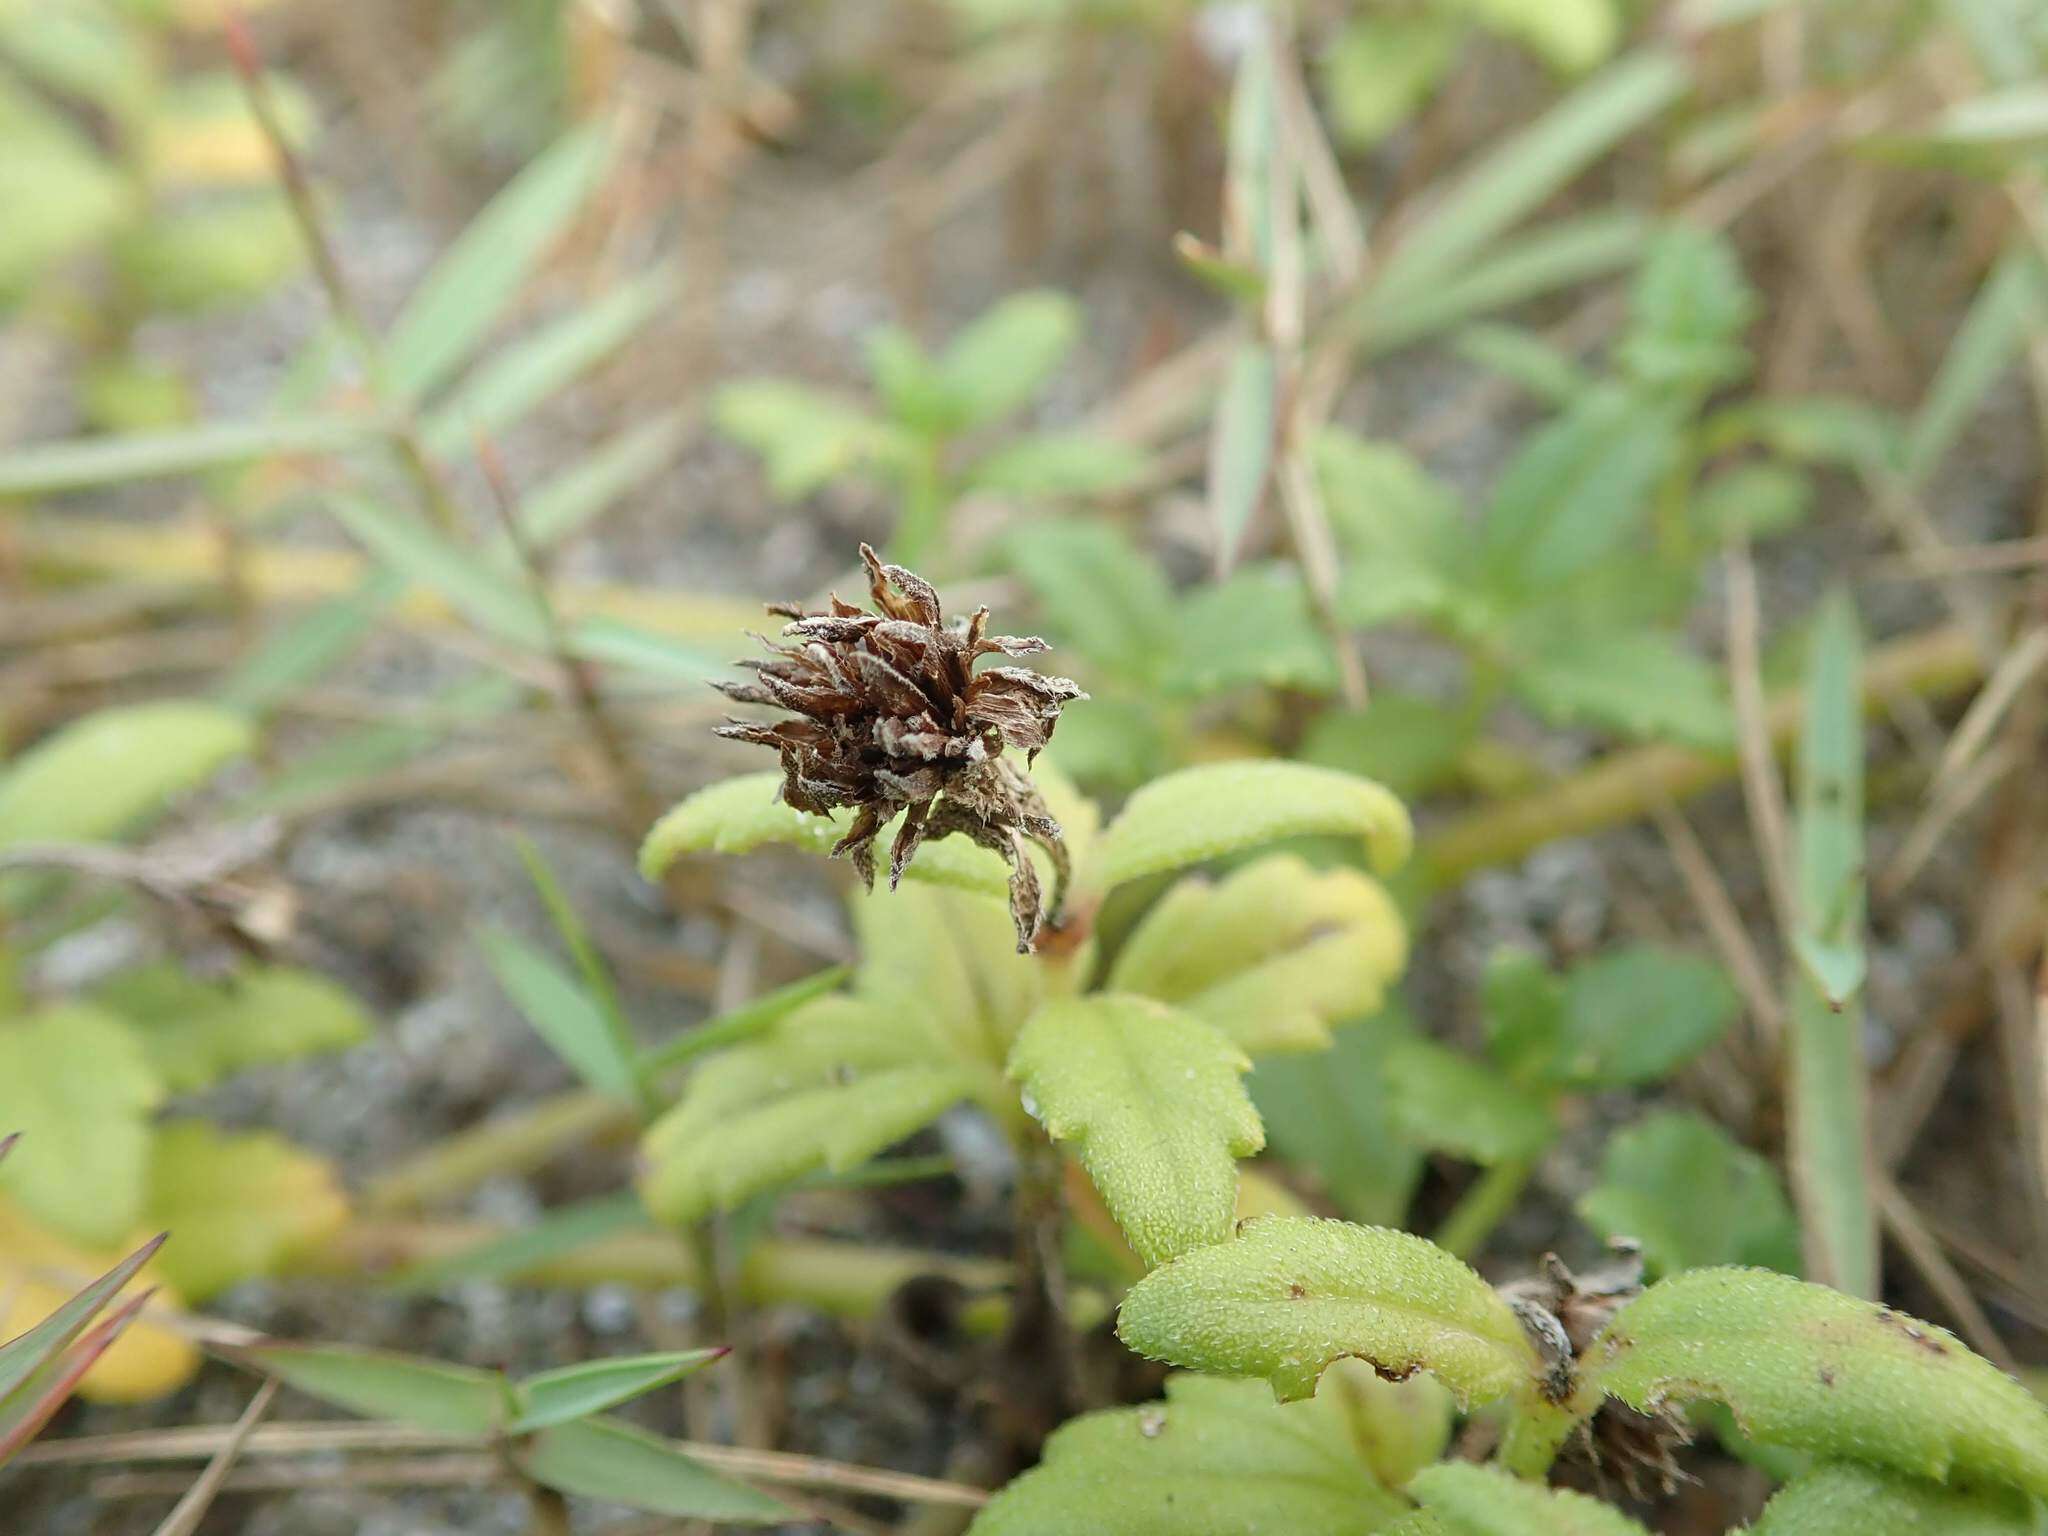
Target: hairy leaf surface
{"points": [[1203, 813], [1272, 955], [1218, 1458], [1154, 1101], [1815, 1370], [1292, 1294]]}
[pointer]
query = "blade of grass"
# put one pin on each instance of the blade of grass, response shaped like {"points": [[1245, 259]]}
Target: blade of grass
{"points": [[597, 979], [745, 1021], [30, 1352], [1524, 173], [35, 1401], [492, 602], [557, 1233], [2012, 302], [527, 375], [75, 464], [1828, 1092], [562, 505], [565, 1015], [311, 644], [475, 282]]}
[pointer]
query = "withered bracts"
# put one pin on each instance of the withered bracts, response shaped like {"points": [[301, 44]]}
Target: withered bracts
{"points": [[893, 717]]}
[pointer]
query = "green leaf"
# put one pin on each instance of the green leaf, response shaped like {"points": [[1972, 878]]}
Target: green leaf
{"points": [[237, 1205], [307, 647], [62, 194], [378, 1384], [576, 1025], [1057, 464], [1828, 1080], [1008, 354], [554, 1235], [1557, 255], [1407, 742], [1446, 1101], [912, 390], [1635, 1015], [1525, 359], [488, 598], [1330, 1114], [574, 497], [1678, 1185], [1810, 429], [1576, 490], [1099, 592], [1842, 1498], [76, 1085], [1241, 447], [832, 1085], [604, 1459], [742, 814], [1528, 169], [196, 1032], [1808, 1368], [747, 1020], [1380, 68], [529, 374], [1252, 629], [1688, 312], [223, 252], [1752, 501], [476, 281], [1472, 1500], [1272, 955], [577, 1391], [612, 643], [115, 769], [946, 962], [1217, 1457], [24, 1412], [1569, 35], [1644, 683], [1293, 1293], [1525, 1014], [39, 469], [1153, 1099], [1404, 534], [804, 436], [1205, 812]]}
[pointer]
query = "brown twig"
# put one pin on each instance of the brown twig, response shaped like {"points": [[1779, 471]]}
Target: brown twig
{"points": [[185, 1516]]}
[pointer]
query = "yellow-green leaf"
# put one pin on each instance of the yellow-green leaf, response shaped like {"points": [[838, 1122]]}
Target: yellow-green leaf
{"points": [[105, 773], [1203, 813], [1812, 1369], [948, 959], [1272, 955], [1485, 1501], [77, 1086], [238, 1205], [742, 814], [196, 1032], [604, 1459], [1153, 1098], [1215, 1457], [1292, 1294], [830, 1086]]}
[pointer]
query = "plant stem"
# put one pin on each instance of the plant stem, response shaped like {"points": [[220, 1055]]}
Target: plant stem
{"points": [[922, 523], [1482, 1207], [513, 1143], [1536, 1432], [842, 1279]]}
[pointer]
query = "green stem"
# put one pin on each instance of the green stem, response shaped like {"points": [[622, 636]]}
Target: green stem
{"points": [[1483, 1207], [1536, 1432]]}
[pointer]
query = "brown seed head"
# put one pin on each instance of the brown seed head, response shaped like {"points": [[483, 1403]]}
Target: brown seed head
{"points": [[891, 716]]}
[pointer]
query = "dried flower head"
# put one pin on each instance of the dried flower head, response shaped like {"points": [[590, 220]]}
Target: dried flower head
{"points": [[893, 717]]}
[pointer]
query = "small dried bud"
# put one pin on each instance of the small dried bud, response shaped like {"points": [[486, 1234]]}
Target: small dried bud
{"points": [[1562, 1313], [892, 717]]}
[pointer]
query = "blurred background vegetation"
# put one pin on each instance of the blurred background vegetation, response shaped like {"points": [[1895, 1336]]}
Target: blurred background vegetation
{"points": [[1555, 409]]}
